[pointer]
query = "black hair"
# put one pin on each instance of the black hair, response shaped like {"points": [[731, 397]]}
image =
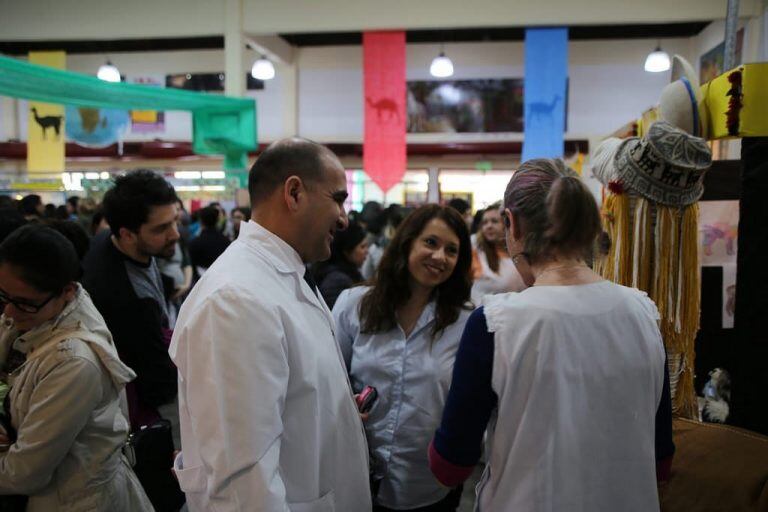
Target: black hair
{"points": [[10, 221], [459, 204], [7, 202], [47, 260], [61, 212], [29, 203], [343, 242], [73, 202], [282, 159], [477, 221], [128, 203], [73, 232], [209, 217], [98, 216], [245, 211]]}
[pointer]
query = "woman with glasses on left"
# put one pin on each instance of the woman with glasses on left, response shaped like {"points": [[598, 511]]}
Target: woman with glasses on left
{"points": [[63, 425]]}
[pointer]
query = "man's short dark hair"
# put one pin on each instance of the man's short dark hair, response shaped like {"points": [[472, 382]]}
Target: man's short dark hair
{"points": [[10, 221], [127, 204], [73, 232], [209, 217], [459, 204], [29, 203], [282, 159], [242, 209], [47, 260]]}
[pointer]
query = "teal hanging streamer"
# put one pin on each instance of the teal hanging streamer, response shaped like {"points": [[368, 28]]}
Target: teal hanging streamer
{"points": [[221, 125], [546, 74]]}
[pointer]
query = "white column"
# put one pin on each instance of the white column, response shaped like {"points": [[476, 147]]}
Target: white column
{"points": [[433, 187], [234, 84]]}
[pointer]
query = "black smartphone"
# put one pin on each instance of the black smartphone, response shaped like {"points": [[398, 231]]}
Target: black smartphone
{"points": [[366, 398]]}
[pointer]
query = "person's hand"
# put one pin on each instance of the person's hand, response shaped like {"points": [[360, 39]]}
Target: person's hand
{"points": [[363, 415], [173, 466], [179, 292]]}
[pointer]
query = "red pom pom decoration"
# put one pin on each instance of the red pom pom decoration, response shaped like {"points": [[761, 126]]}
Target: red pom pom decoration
{"points": [[616, 187]]}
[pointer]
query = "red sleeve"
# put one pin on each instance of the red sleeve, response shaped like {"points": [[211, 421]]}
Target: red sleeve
{"points": [[448, 474]]}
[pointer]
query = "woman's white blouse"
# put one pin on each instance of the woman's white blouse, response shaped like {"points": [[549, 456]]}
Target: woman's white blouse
{"points": [[412, 376]]}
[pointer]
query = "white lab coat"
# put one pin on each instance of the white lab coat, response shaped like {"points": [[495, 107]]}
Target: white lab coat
{"points": [[268, 422]]}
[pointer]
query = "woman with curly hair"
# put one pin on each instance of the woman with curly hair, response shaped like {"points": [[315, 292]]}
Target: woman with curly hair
{"points": [[400, 335]]}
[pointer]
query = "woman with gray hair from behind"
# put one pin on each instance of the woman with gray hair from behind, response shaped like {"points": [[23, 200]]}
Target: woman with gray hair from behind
{"points": [[571, 369]]}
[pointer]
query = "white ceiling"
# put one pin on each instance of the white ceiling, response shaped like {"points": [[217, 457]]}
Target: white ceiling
{"points": [[24, 20]]}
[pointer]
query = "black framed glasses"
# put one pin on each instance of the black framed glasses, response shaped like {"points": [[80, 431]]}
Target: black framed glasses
{"points": [[25, 306]]}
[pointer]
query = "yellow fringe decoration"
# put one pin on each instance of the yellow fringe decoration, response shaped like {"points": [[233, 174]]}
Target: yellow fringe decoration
{"points": [[642, 245], [661, 259], [616, 266], [676, 290]]}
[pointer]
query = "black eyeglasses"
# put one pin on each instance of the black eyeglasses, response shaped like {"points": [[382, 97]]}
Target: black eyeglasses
{"points": [[24, 306]]}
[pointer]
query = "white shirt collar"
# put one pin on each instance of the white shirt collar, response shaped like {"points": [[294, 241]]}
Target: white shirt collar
{"points": [[286, 258]]}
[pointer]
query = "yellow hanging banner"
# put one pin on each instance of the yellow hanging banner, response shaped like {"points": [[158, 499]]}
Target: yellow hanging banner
{"points": [[45, 128]]}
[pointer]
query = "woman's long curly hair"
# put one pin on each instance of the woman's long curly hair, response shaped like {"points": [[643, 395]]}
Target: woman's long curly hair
{"points": [[391, 283]]}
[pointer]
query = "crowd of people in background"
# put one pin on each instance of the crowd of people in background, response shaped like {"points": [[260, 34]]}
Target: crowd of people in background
{"points": [[313, 359]]}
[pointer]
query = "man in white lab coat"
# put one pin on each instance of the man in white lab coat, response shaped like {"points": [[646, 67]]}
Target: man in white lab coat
{"points": [[268, 421]]}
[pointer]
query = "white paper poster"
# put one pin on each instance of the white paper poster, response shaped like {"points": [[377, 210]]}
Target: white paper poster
{"points": [[718, 247]]}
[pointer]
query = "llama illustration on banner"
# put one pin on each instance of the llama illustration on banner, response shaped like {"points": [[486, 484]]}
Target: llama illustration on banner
{"points": [[45, 122], [387, 105], [541, 111], [546, 76]]}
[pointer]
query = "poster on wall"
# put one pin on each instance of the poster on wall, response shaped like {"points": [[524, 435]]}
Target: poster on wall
{"points": [[469, 106], [465, 106], [718, 247], [711, 63], [148, 121]]}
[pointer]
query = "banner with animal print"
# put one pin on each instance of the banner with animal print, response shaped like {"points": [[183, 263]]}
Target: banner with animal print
{"points": [[45, 129], [546, 73], [384, 145]]}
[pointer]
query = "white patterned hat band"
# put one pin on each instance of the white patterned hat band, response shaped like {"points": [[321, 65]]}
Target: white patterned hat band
{"points": [[666, 166]]}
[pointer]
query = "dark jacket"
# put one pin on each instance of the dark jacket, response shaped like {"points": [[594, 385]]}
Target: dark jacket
{"points": [[137, 325], [334, 278], [204, 249]]}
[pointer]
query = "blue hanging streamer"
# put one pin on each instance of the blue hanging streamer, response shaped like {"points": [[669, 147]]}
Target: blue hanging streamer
{"points": [[546, 74]]}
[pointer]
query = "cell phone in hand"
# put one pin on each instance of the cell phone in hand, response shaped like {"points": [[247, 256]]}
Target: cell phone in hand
{"points": [[366, 399]]}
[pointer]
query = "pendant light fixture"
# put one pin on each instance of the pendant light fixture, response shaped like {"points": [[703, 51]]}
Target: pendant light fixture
{"points": [[441, 66], [108, 72], [263, 69], [657, 61]]}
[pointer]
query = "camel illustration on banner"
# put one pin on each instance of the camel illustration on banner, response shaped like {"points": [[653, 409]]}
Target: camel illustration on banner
{"points": [[387, 105], [46, 122]]}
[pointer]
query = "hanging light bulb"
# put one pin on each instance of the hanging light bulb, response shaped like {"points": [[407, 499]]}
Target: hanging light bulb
{"points": [[657, 61], [441, 66], [263, 69], [109, 72]]}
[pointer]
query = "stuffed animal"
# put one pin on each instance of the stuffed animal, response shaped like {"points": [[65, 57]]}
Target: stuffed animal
{"points": [[713, 406]]}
